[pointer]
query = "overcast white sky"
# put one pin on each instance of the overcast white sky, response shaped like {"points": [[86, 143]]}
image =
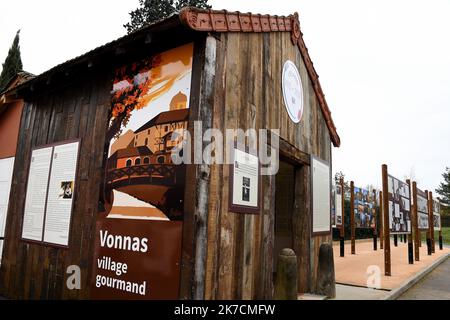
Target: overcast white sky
{"points": [[384, 67]]}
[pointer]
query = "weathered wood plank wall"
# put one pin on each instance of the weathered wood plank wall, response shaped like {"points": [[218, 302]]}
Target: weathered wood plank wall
{"points": [[78, 110], [75, 104], [249, 95]]}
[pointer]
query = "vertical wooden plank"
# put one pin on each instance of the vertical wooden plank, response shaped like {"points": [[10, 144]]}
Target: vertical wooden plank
{"points": [[387, 243], [415, 219], [240, 99], [227, 219], [256, 82], [88, 214], [265, 288], [202, 185], [303, 224], [11, 250], [250, 98], [215, 203], [352, 215], [342, 228], [188, 251], [381, 219], [268, 230], [431, 219]]}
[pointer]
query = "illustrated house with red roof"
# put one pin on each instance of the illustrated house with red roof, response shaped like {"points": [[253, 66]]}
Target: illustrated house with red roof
{"points": [[152, 142]]}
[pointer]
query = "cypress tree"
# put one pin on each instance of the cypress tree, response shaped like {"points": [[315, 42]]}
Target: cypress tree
{"points": [[13, 63]]}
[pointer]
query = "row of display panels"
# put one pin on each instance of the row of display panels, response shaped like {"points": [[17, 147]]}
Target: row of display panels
{"points": [[400, 201]]}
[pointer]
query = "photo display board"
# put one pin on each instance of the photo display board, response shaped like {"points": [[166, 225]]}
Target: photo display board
{"points": [[399, 206], [422, 210], [364, 209], [336, 211], [141, 226], [321, 194], [245, 183], [6, 172], [50, 193], [437, 215]]}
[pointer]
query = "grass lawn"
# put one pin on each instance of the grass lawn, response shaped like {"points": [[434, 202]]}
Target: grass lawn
{"points": [[445, 236]]}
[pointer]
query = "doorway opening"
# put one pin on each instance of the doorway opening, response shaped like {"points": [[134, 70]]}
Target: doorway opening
{"points": [[284, 206]]}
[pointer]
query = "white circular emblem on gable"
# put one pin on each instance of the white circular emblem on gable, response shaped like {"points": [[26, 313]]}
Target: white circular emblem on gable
{"points": [[292, 91]]}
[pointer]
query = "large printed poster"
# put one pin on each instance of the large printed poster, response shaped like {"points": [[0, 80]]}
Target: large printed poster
{"points": [[333, 206], [141, 227], [422, 210], [245, 184], [399, 206], [321, 190], [336, 208], [50, 194], [436, 215], [364, 209], [6, 172]]}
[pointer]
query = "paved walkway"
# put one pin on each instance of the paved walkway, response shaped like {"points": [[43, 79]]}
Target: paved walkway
{"points": [[356, 270], [435, 286], [344, 292]]}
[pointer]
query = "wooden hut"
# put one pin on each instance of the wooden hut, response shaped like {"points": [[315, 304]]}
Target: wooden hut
{"points": [[173, 226]]}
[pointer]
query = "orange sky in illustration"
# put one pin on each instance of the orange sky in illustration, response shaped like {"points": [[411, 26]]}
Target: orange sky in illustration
{"points": [[174, 65], [168, 67]]}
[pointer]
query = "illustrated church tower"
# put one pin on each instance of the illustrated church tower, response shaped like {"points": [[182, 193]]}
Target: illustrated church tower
{"points": [[156, 134], [179, 101]]}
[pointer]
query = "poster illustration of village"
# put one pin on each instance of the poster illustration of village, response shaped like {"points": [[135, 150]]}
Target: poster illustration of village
{"points": [[364, 209], [399, 206], [142, 222], [151, 101]]}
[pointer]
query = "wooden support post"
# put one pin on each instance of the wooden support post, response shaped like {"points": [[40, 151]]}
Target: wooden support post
{"points": [[342, 229], [381, 220], [429, 226], [410, 237], [440, 230], [431, 219], [395, 240], [375, 242], [420, 239], [387, 244], [375, 233], [352, 215], [415, 223]]}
